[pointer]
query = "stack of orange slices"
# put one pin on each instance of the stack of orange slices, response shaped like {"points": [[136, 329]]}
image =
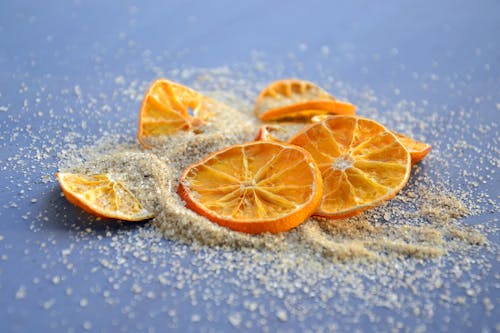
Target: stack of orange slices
{"points": [[336, 167]]}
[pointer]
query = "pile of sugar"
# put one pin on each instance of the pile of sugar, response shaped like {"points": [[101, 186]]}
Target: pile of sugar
{"points": [[420, 222], [416, 260]]}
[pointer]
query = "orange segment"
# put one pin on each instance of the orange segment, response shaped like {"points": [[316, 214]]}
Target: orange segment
{"points": [[254, 187], [297, 99], [417, 149], [102, 196], [169, 107], [362, 163]]}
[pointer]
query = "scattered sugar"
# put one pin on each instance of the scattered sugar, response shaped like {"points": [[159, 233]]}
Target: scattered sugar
{"points": [[235, 319], [282, 315], [87, 325], [56, 279], [49, 303], [412, 256], [84, 302], [303, 47]]}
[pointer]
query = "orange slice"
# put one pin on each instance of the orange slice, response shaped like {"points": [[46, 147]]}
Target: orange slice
{"points": [[102, 196], [297, 99], [417, 149], [362, 163], [169, 107], [254, 187]]}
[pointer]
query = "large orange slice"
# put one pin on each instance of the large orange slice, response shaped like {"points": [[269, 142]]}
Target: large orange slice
{"points": [[362, 163], [102, 196], [254, 187], [417, 149], [169, 107], [294, 99]]}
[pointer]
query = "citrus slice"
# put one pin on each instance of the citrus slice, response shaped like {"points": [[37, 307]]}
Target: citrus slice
{"points": [[417, 149], [297, 99], [362, 163], [254, 187], [169, 107], [102, 196]]}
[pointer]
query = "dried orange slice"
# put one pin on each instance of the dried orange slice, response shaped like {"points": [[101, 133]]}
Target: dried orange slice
{"points": [[264, 133], [297, 99], [102, 196], [169, 107], [362, 163], [417, 149], [254, 187]]}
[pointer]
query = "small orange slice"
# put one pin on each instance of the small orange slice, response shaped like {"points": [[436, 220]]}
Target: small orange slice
{"points": [[169, 107], [297, 99], [102, 196], [254, 187], [362, 163], [417, 149]]}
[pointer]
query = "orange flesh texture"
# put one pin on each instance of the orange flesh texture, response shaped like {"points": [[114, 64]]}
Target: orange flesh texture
{"points": [[417, 149], [165, 109], [254, 187], [102, 197], [362, 163], [297, 99]]}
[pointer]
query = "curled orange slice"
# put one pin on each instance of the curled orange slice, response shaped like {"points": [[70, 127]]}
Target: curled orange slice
{"points": [[102, 196], [362, 163], [254, 187], [297, 99], [169, 107], [417, 149]]}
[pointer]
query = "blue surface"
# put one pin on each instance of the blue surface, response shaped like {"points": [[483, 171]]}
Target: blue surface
{"points": [[53, 46]]}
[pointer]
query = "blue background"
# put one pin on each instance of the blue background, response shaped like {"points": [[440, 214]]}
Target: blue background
{"points": [[51, 46]]}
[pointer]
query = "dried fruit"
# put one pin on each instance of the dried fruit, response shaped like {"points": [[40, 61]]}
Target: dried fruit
{"points": [[102, 196], [362, 163], [169, 107], [254, 187], [297, 99], [417, 149]]}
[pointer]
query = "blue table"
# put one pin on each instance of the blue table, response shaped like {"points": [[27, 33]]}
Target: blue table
{"points": [[56, 56]]}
